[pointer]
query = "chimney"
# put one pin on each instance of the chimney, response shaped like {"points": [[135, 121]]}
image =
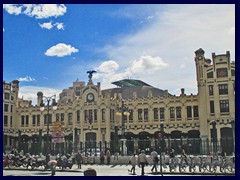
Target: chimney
{"points": [[39, 98], [182, 92]]}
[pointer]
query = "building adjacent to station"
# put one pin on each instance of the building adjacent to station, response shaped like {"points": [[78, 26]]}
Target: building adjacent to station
{"points": [[88, 113]]}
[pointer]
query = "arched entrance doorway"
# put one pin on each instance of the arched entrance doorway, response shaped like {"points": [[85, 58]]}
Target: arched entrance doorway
{"points": [[176, 141], [193, 142], [24, 143], [90, 140], [34, 149], [227, 141], [130, 142], [144, 142]]}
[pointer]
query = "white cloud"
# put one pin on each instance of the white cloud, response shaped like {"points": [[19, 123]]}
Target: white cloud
{"points": [[59, 25], [30, 92], [50, 25], [39, 11], [27, 78], [109, 70], [147, 64], [108, 66], [174, 34], [150, 17], [46, 25], [61, 50], [12, 8]]}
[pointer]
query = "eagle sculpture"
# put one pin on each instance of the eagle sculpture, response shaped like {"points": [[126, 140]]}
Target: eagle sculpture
{"points": [[90, 73]]}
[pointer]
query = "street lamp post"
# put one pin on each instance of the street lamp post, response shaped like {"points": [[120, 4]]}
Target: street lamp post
{"points": [[123, 112], [115, 138], [233, 134], [214, 138], [54, 104], [161, 145]]}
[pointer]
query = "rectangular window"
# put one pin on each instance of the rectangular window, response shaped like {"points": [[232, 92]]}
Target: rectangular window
{"points": [[27, 120], [212, 107], [22, 121], [5, 120], [95, 115], [195, 111], [224, 106], [103, 115], [130, 115], [85, 116], [222, 72], [111, 115], [50, 119], [172, 113], [6, 96], [78, 116], [57, 117], [162, 116], [210, 88], [11, 121], [38, 120], [45, 119], [178, 112], [62, 116], [5, 107], [140, 114], [69, 118], [223, 89], [210, 75], [90, 116], [155, 113], [34, 120], [145, 114], [11, 108], [46, 116], [77, 93], [189, 112]]}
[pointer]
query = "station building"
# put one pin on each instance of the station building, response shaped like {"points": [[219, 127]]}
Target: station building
{"points": [[134, 109]]}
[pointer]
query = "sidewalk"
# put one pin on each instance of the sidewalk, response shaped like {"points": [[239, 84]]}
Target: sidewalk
{"points": [[120, 170]]}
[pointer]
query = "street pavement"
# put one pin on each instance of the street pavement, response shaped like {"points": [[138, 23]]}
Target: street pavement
{"points": [[101, 170]]}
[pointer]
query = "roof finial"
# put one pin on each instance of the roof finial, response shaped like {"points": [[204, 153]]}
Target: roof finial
{"points": [[90, 75]]}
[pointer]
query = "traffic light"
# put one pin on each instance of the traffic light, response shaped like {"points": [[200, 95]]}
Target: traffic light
{"points": [[159, 135]]}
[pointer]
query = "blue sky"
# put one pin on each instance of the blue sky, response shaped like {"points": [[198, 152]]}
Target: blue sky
{"points": [[47, 47]]}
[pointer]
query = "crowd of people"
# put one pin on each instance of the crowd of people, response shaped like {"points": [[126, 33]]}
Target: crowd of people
{"points": [[138, 158]]}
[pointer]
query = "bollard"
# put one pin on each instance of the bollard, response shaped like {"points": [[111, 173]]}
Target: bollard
{"points": [[90, 172]]}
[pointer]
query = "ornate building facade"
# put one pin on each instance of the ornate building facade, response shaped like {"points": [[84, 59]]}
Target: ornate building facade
{"points": [[133, 109]]}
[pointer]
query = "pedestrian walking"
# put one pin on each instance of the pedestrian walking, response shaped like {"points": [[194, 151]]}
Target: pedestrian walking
{"points": [[184, 156], [108, 154], [73, 157], [79, 159], [102, 154], [171, 156], [155, 159], [133, 162], [172, 153], [142, 161]]}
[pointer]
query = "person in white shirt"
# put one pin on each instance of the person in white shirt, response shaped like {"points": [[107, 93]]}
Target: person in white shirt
{"points": [[133, 162], [155, 159], [142, 161]]}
